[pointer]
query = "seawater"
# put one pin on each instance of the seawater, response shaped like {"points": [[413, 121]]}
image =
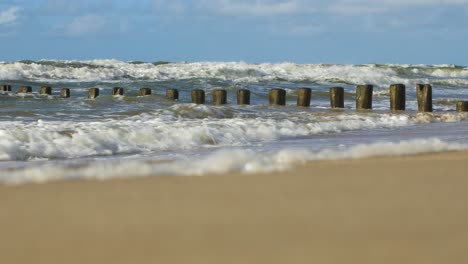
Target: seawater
{"points": [[45, 138]]}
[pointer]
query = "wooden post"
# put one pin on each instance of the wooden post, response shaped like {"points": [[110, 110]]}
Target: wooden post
{"points": [[424, 95], [116, 91], [303, 97], [145, 91], [172, 94], [45, 90], [277, 97], [364, 96], [243, 97], [337, 97], [25, 89], [462, 106], [397, 97], [93, 93], [5, 88], [219, 97], [198, 96], [65, 93]]}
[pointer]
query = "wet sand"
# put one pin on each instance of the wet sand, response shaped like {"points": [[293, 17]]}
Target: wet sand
{"points": [[380, 210]]}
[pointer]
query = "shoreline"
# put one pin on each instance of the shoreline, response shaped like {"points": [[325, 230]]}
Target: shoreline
{"points": [[403, 209]]}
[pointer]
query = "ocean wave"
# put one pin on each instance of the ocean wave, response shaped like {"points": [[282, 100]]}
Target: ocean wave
{"points": [[246, 161], [223, 161], [172, 129], [185, 127], [112, 70]]}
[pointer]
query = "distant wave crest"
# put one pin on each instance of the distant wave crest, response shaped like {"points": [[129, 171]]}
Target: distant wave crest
{"points": [[112, 70]]}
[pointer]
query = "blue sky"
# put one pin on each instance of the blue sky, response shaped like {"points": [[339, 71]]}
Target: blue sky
{"points": [[302, 31]]}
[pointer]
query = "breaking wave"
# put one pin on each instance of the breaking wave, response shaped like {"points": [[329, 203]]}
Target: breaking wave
{"points": [[112, 70], [224, 161]]}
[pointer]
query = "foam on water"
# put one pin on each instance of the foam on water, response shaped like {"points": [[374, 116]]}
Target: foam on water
{"points": [[223, 161], [173, 129], [249, 161], [44, 138], [111, 70]]}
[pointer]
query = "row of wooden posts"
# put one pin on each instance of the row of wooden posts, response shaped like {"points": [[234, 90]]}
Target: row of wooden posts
{"points": [[278, 96]]}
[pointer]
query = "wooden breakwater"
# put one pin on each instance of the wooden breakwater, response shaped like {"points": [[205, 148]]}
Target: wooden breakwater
{"points": [[364, 95]]}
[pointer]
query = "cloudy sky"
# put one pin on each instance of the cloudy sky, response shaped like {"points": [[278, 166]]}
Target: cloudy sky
{"points": [[303, 31]]}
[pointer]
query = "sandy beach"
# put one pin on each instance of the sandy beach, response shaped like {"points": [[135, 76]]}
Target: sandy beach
{"points": [[410, 209]]}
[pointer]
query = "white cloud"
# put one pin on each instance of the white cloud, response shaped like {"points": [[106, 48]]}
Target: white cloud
{"points": [[294, 7], [9, 15], [359, 7], [297, 30], [86, 25], [253, 8], [174, 6], [67, 7], [354, 9], [93, 24]]}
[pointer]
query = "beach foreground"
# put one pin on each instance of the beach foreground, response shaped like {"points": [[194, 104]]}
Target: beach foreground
{"points": [[409, 209]]}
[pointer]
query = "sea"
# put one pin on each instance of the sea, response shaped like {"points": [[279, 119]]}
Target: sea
{"points": [[48, 138]]}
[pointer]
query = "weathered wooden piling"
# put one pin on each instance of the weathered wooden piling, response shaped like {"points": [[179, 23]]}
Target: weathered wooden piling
{"points": [[145, 91], [337, 97], [5, 88], [462, 106], [198, 96], [424, 95], [303, 97], [45, 90], [117, 91], [25, 89], [65, 93], [219, 97], [172, 94], [364, 97], [397, 97], [243, 97], [93, 93], [277, 97]]}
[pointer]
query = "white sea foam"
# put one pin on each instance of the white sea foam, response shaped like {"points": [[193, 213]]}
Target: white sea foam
{"points": [[110, 70], [171, 129], [224, 161], [249, 161], [183, 127]]}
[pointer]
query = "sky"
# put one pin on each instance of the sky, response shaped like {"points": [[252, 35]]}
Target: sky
{"points": [[256, 31]]}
